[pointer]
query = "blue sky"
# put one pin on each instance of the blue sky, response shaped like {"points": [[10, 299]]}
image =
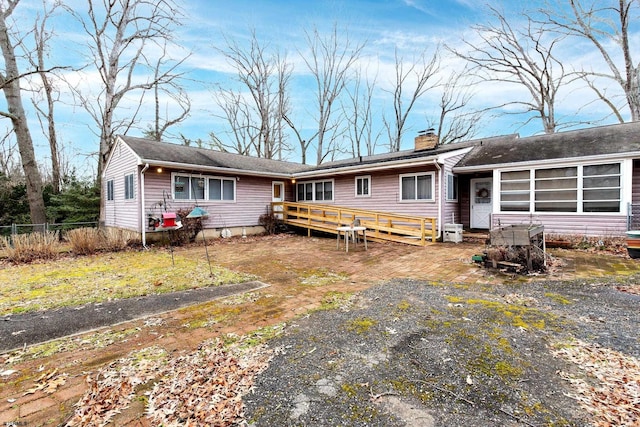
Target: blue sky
{"points": [[408, 25]]}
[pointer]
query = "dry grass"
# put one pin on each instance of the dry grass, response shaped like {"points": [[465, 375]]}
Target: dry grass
{"points": [[118, 239], [84, 241], [87, 241], [23, 248], [76, 281]]}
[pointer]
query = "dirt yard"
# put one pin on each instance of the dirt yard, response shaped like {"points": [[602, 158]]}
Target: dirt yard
{"points": [[397, 335]]}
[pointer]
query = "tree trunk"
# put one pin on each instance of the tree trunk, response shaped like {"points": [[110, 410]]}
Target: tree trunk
{"points": [[11, 89]]}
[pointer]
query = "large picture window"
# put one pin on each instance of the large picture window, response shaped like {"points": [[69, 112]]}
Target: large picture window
{"points": [[128, 187], [315, 191], [203, 188], [588, 188], [417, 187]]}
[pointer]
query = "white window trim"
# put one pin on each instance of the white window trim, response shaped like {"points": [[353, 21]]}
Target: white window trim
{"points": [[313, 196], [579, 189], [206, 187], [455, 183], [433, 187], [355, 185]]}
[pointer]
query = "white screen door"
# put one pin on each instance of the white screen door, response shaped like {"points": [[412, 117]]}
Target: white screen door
{"points": [[481, 205]]}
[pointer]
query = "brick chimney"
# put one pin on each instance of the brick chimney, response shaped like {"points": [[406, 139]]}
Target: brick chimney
{"points": [[426, 140]]}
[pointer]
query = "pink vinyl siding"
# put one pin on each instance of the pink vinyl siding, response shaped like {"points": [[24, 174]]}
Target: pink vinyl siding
{"points": [[253, 196], [582, 225], [451, 210], [385, 194], [121, 212]]}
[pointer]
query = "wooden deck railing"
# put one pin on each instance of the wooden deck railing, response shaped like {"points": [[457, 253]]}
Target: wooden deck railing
{"points": [[413, 230]]}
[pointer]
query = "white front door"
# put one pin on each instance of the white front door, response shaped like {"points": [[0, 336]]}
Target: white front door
{"points": [[277, 195], [481, 202]]}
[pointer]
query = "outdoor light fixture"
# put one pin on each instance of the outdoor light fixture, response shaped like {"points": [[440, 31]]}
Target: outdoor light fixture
{"points": [[159, 170], [293, 181]]}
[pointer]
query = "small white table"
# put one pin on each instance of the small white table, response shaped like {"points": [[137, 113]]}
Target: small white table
{"points": [[351, 231]]}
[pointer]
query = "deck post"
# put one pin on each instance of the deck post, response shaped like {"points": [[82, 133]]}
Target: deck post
{"points": [[433, 230], [422, 242]]}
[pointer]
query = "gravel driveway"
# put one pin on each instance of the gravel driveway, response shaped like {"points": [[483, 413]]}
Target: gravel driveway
{"points": [[428, 354]]}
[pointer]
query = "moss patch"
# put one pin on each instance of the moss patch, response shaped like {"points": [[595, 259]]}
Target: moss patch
{"points": [[557, 298], [501, 313], [361, 325], [336, 300], [77, 281], [321, 277]]}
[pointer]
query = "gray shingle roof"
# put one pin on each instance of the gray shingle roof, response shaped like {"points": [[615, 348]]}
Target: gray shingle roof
{"points": [[485, 154], [395, 156], [151, 151], [597, 141]]}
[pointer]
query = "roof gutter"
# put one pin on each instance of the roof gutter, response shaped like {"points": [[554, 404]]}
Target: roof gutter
{"points": [[143, 225], [530, 163], [359, 168], [173, 165]]}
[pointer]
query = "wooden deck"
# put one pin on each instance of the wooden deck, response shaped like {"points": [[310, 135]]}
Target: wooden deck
{"points": [[381, 226]]}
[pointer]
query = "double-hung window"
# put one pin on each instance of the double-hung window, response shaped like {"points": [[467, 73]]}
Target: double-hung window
{"points": [[128, 187], [110, 190], [203, 188], [417, 187], [363, 186], [315, 191]]}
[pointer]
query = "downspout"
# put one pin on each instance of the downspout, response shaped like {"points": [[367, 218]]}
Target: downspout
{"points": [[439, 219], [142, 219]]}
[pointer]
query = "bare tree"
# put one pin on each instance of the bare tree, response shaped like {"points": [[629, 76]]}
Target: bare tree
{"points": [[122, 34], [8, 154], [330, 60], [162, 120], [303, 143], [10, 82], [265, 76], [605, 23], [520, 57], [42, 35], [242, 128], [454, 123], [359, 115], [416, 77]]}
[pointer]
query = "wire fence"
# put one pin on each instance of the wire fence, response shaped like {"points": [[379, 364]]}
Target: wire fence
{"points": [[14, 229]]}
